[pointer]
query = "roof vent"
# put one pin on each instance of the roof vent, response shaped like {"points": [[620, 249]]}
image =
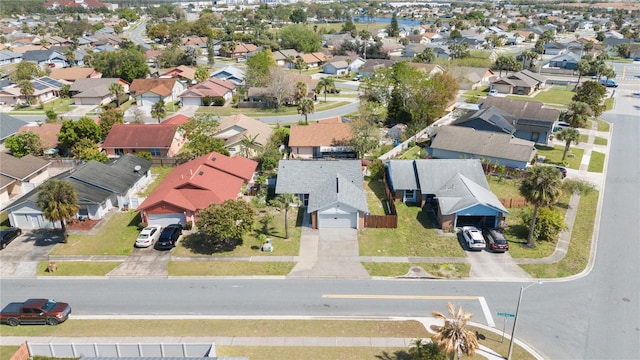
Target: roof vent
{"points": [[201, 173], [137, 168]]}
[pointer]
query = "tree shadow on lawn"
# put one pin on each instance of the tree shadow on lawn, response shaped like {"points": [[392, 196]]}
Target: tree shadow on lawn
{"points": [[137, 220], [427, 218], [202, 244], [397, 355]]}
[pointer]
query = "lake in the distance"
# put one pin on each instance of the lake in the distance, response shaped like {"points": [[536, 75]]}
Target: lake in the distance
{"points": [[401, 21]]}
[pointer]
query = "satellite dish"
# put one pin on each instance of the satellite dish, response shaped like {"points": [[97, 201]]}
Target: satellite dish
{"points": [[137, 168]]}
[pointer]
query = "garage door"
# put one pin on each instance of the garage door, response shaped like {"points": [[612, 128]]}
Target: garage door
{"points": [[477, 221], [166, 219], [191, 101], [31, 221], [337, 221]]}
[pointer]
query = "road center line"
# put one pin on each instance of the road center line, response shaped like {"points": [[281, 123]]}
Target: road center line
{"points": [[397, 297]]}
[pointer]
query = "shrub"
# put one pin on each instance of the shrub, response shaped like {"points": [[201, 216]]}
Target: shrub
{"points": [[142, 225], [144, 155], [576, 186], [218, 101], [549, 223], [376, 169], [188, 225], [207, 100]]}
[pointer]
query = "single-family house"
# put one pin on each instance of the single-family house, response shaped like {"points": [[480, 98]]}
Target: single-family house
{"points": [[472, 77], [9, 57], [413, 49], [327, 138], [207, 90], [331, 191], [533, 121], [18, 176], [100, 187], [340, 65], [48, 134], [522, 82], [554, 48], [238, 51], [45, 58], [45, 89], [72, 74], [160, 140], [313, 60], [181, 72], [568, 60], [240, 131], [455, 142], [209, 179], [285, 57], [371, 65], [95, 91], [230, 73], [9, 125], [151, 90], [456, 189]]}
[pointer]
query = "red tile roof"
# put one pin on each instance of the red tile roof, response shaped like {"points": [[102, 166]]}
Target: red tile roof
{"points": [[48, 133], [160, 86], [177, 120], [209, 179], [210, 87], [140, 136]]}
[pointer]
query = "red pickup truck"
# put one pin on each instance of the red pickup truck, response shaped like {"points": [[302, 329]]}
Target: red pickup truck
{"points": [[35, 311]]}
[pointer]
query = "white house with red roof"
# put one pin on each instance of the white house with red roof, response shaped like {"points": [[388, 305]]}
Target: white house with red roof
{"points": [[211, 88], [193, 186], [160, 140], [151, 90]]}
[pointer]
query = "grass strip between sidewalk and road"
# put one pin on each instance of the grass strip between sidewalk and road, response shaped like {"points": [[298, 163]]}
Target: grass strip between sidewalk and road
{"points": [[78, 268], [228, 268], [457, 270], [596, 163]]}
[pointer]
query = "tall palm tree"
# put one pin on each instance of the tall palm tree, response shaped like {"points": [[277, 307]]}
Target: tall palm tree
{"points": [[541, 187], [158, 110], [300, 64], [70, 56], [249, 144], [569, 136], [326, 83], [582, 68], [577, 114], [27, 90], [284, 202], [58, 201], [454, 339], [306, 106], [116, 90], [300, 91]]}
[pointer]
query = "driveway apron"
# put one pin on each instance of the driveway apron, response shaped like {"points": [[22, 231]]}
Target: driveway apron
{"points": [[143, 262], [494, 266]]}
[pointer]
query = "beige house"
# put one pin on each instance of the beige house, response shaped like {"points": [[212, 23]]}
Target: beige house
{"points": [[18, 176], [236, 128], [325, 139]]}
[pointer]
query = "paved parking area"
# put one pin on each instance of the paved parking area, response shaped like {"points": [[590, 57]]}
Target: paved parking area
{"points": [[22, 256]]}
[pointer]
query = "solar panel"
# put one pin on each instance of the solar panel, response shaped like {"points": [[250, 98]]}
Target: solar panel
{"points": [[40, 86], [51, 81]]}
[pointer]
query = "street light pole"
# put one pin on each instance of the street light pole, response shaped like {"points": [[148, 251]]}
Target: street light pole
{"points": [[515, 319]]}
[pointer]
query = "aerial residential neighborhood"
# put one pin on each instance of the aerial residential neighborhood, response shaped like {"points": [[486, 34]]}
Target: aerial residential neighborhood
{"points": [[264, 171]]}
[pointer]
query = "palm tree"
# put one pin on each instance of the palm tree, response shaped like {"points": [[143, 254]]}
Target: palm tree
{"points": [[577, 114], [306, 106], [300, 64], [27, 90], [454, 338], [249, 144], [284, 202], [349, 61], [569, 136], [541, 187], [583, 67], [300, 91], [44, 44], [58, 201], [326, 83], [116, 90], [70, 56], [158, 111]]}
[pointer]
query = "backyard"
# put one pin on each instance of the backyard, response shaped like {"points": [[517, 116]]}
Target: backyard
{"points": [[284, 111]]}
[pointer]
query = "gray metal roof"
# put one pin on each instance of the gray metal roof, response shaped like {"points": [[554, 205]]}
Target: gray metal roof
{"points": [[117, 177], [402, 175], [434, 173], [460, 193], [337, 190]]}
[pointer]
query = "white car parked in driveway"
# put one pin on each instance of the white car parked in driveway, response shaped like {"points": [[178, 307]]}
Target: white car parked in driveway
{"points": [[148, 236], [473, 237]]}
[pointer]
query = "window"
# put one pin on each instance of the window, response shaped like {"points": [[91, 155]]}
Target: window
{"points": [[409, 195], [119, 152], [155, 152]]}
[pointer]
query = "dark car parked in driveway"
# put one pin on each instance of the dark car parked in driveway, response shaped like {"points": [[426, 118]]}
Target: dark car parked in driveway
{"points": [[169, 237], [8, 235], [495, 240]]}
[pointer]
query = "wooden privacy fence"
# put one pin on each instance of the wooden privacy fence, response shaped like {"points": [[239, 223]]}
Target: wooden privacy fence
{"points": [[513, 202], [381, 221]]}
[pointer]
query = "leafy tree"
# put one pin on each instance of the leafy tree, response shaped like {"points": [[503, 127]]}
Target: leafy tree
{"points": [[549, 223], [58, 201], [301, 38], [116, 90], [569, 136], [306, 106], [108, 118], [325, 83], [300, 91], [24, 143], [259, 67], [284, 202], [126, 64], [25, 70], [85, 149], [592, 94], [65, 91], [52, 116], [158, 110], [70, 56], [541, 187], [27, 90], [426, 56], [394, 29], [144, 155], [582, 68], [200, 133], [348, 26], [365, 135], [454, 339], [298, 16], [202, 73], [211, 55], [84, 128], [230, 220], [459, 51]]}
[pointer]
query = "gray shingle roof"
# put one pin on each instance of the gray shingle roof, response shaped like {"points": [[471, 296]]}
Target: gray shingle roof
{"points": [[492, 115], [21, 168], [460, 193], [9, 125], [434, 173], [117, 177], [402, 175]]}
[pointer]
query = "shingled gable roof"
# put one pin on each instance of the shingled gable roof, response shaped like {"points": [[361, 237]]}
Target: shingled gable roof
{"points": [[72, 73], [21, 168], [532, 110], [460, 193], [492, 115], [210, 87], [117, 177], [251, 126], [320, 134], [483, 143], [160, 86], [344, 192], [208, 179], [181, 71], [48, 133], [10, 125], [177, 120], [140, 136]]}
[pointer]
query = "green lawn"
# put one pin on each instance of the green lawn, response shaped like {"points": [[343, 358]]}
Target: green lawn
{"points": [[479, 92], [159, 173], [376, 197], [505, 188], [596, 163], [600, 141], [195, 244], [78, 268], [554, 156], [558, 95], [609, 103], [583, 138], [229, 268], [412, 153], [116, 237], [416, 235], [60, 106], [603, 125], [228, 111], [457, 270]]}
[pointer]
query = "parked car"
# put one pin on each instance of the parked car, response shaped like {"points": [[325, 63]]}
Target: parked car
{"points": [[609, 83], [493, 92], [357, 78], [496, 241], [635, 94], [35, 311], [561, 125], [562, 170], [473, 237], [169, 237], [148, 236], [8, 235]]}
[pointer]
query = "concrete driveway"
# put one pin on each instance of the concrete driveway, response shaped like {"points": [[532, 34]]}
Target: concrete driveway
{"points": [[22, 255], [143, 262]]}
